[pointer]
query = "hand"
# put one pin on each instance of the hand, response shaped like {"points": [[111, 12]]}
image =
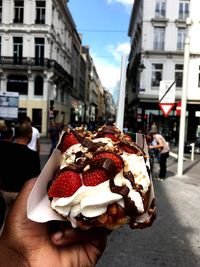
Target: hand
{"points": [[27, 243]]}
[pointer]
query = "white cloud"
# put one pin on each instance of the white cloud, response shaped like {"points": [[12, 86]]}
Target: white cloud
{"points": [[119, 50], [128, 4], [109, 73], [123, 48], [123, 2], [109, 70]]}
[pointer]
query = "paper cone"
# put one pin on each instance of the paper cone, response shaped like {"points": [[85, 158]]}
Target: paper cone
{"points": [[38, 205]]}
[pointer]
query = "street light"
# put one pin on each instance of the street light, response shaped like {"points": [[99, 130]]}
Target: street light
{"points": [[184, 100]]}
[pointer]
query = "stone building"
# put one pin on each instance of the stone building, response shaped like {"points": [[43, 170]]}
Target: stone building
{"points": [[157, 32], [36, 38]]}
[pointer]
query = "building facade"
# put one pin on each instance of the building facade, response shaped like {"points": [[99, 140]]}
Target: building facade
{"points": [[43, 60], [157, 31], [36, 57]]}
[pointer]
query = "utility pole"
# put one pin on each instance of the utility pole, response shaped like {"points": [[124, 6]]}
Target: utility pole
{"points": [[184, 100], [121, 100]]}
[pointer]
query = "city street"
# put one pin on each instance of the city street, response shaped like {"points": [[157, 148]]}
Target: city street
{"points": [[174, 238]]}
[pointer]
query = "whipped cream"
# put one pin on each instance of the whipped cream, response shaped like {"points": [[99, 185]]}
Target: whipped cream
{"points": [[92, 201]]}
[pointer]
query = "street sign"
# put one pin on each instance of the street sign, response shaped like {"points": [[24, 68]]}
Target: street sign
{"points": [[178, 108], [9, 102], [167, 91], [166, 108], [166, 96]]}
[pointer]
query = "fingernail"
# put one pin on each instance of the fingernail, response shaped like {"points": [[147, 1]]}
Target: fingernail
{"points": [[58, 235]]}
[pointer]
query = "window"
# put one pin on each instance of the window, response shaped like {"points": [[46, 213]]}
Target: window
{"points": [[0, 11], [183, 9], [179, 75], [156, 74], [17, 49], [17, 83], [160, 9], [181, 39], [38, 85], [39, 51], [18, 11], [159, 37], [40, 11]]}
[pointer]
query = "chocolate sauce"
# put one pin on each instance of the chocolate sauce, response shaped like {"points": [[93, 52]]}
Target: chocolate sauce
{"points": [[104, 163], [110, 168], [107, 129], [121, 190]]}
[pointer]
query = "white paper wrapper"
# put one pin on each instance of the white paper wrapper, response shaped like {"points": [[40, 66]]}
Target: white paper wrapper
{"points": [[38, 205]]}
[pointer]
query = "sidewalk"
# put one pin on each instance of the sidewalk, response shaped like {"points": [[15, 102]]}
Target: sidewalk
{"points": [[190, 167], [45, 146]]}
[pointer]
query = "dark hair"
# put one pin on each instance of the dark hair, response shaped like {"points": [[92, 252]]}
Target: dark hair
{"points": [[6, 133], [24, 130], [25, 119]]}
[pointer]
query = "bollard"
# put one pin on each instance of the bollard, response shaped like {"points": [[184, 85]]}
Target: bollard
{"points": [[192, 151]]}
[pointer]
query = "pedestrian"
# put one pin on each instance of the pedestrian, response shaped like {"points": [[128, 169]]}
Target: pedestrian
{"points": [[27, 243], [163, 148], [154, 127], [18, 163], [34, 144], [175, 134], [6, 134], [53, 134], [7, 137]]}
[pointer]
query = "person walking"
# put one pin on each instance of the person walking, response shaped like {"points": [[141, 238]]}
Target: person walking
{"points": [[34, 143], [53, 134], [163, 148]]}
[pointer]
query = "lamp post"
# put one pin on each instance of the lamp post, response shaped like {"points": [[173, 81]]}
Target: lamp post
{"points": [[184, 100]]}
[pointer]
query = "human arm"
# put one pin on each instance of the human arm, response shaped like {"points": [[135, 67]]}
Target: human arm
{"points": [[26, 243], [157, 144]]}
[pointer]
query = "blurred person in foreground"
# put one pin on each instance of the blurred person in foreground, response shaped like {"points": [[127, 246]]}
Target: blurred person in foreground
{"points": [[18, 163], [27, 243], [6, 137], [34, 143], [163, 147]]}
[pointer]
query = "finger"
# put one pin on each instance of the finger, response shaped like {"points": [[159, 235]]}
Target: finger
{"points": [[96, 236], [66, 237]]}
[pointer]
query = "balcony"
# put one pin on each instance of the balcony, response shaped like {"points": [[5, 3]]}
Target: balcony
{"points": [[24, 63]]}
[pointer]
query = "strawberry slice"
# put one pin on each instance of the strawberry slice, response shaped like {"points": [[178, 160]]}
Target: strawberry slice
{"points": [[116, 158], [94, 177], [132, 149], [112, 137], [127, 137], [68, 140], [66, 184]]}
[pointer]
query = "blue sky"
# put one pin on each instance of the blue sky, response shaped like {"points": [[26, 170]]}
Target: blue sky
{"points": [[104, 28]]}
